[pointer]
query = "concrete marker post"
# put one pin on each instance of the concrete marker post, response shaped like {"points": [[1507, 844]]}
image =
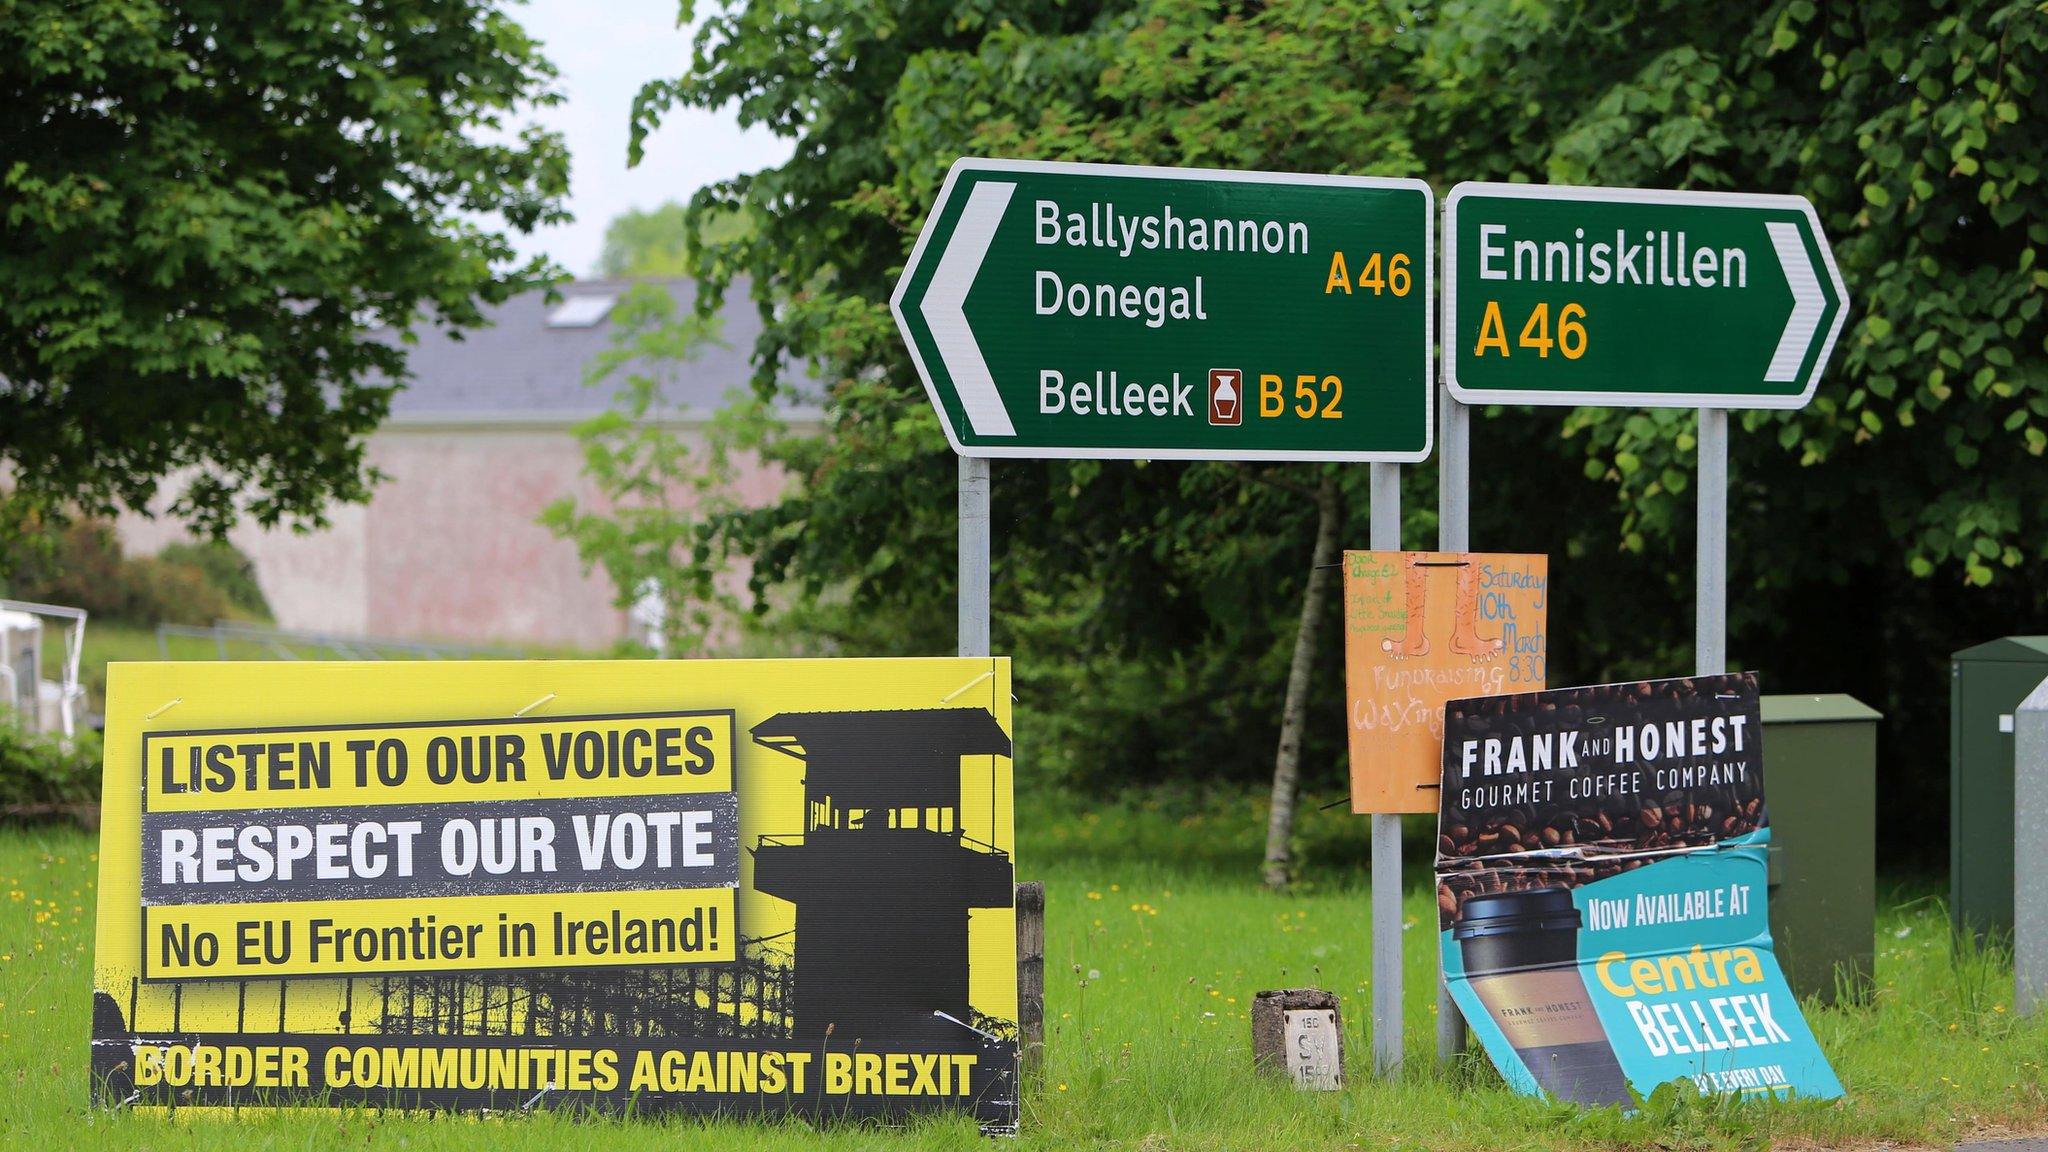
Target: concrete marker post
{"points": [[1386, 834], [2030, 863]]}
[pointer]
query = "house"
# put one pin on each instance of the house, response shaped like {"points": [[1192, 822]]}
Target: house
{"points": [[481, 440]]}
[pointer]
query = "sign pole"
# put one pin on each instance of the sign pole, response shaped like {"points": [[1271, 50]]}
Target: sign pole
{"points": [[1453, 534], [1710, 595], [974, 479], [1386, 833]]}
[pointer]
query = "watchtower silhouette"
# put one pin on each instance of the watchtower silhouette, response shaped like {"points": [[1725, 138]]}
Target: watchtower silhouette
{"points": [[883, 875]]}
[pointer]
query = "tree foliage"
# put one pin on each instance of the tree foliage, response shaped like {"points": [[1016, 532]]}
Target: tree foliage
{"points": [[1896, 518], [208, 205], [661, 484], [655, 242]]}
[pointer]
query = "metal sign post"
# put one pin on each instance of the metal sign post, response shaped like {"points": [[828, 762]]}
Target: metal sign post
{"points": [[1453, 534], [974, 551], [1710, 579], [1386, 834]]}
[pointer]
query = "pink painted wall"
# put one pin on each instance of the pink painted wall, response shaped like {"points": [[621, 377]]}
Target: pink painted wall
{"points": [[453, 550], [449, 546]]}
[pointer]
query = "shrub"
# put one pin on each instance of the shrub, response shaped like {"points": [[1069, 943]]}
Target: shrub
{"points": [[226, 568], [82, 565], [42, 778], [79, 565], [161, 592]]}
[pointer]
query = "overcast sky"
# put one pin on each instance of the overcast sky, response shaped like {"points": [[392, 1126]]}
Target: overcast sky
{"points": [[604, 53]]}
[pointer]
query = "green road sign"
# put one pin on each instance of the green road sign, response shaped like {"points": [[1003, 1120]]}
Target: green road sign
{"points": [[1623, 297], [1085, 310]]}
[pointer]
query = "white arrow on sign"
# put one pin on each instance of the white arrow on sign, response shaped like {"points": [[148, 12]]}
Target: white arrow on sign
{"points": [[1807, 302], [945, 309]]}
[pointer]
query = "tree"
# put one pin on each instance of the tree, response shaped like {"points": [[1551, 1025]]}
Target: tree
{"points": [[210, 205], [1294, 714], [659, 486], [1891, 521], [655, 241]]}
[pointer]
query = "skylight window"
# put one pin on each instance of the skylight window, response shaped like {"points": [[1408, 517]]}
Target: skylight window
{"points": [[581, 311]]}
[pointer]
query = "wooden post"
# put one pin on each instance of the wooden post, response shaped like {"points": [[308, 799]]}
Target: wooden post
{"points": [[1031, 976], [1299, 1033]]}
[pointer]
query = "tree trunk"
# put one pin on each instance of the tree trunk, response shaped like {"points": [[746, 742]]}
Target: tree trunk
{"points": [[1287, 761]]}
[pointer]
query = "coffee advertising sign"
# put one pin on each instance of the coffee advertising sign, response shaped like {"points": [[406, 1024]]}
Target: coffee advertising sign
{"points": [[1422, 629], [762, 886], [1602, 894]]}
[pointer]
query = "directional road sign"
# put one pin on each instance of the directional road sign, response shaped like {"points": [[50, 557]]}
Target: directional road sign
{"points": [[1084, 310], [1624, 297]]}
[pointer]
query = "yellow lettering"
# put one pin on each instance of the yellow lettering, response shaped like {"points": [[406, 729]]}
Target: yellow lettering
{"points": [[1539, 324], [867, 1073], [1676, 972], [1571, 333], [1271, 403], [1369, 276], [1493, 332], [1643, 974], [1600, 967], [1340, 276]]}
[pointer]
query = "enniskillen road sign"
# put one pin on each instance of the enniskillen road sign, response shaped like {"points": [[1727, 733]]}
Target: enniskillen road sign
{"points": [[1084, 310], [1622, 296]]}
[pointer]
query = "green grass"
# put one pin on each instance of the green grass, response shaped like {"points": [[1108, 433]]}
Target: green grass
{"points": [[1158, 935]]}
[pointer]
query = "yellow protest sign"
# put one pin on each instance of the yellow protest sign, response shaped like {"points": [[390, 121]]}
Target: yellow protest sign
{"points": [[695, 885]]}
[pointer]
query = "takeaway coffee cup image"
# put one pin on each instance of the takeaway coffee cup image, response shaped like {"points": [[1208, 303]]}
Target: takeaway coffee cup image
{"points": [[1521, 952]]}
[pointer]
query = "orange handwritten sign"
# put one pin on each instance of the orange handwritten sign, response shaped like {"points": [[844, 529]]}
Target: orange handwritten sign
{"points": [[1421, 629]]}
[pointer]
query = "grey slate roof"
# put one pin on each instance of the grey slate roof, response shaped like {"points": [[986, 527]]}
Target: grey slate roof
{"points": [[520, 369]]}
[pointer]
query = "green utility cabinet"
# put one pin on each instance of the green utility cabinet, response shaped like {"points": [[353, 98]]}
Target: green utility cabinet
{"points": [[1986, 684], [1820, 779]]}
